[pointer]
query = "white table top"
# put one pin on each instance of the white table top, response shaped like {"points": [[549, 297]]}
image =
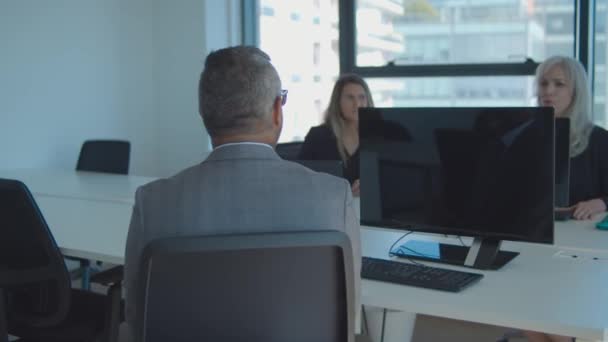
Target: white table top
{"points": [[79, 185], [581, 234], [538, 290], [542, 289], [88, 229], [88, 212], [110, 222]]}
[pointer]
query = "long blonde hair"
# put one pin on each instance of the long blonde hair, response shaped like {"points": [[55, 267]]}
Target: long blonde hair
{"points": [[333, 113], [579, 110]]}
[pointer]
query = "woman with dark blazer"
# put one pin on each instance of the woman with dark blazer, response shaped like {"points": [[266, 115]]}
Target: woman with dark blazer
{"points": [[562, 84], [338, 137]]}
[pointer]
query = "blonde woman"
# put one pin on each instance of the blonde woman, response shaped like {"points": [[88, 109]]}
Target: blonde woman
{"points": [[562, 84], [338, 137]]}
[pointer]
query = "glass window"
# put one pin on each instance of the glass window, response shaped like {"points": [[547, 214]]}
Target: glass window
{"points": [[487, 91], [409, 32], [309, 68], [600, 91]]}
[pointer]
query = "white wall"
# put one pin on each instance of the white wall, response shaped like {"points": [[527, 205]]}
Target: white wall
{"points": [[72, 70], [186, 31]]}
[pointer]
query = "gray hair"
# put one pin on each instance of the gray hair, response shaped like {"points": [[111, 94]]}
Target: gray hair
{"points": [[237, 90], [579, 110]]}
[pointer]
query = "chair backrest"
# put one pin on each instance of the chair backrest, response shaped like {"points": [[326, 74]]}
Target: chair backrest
{"points": [[110, 156], [289, 151], [32, 270], [267, 287], [332, 167]]}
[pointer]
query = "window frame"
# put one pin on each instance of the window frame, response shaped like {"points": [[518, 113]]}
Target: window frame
{"points": [[584, 43], [583, 50]]}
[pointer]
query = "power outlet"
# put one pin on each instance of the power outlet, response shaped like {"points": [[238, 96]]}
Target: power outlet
{"points": [[582, 255]]}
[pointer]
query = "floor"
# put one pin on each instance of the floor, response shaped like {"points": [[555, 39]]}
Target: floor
{"points": [[429, 328], [435, 329]]}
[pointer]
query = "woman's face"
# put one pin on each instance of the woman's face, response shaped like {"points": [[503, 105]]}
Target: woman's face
{"points": [[353, 96], [555, 90]]}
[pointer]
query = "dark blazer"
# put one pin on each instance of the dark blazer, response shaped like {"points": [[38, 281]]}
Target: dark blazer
{"points": [[589, 170], [320, 144]]}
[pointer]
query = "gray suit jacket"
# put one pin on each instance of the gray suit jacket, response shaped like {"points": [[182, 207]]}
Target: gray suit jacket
{"points": [[239, 189]]}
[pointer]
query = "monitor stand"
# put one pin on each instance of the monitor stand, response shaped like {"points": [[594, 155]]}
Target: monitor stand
{"points": [[483, 254]]}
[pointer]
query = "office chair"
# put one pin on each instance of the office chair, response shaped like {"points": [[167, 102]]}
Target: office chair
{"points": [[36, 299], [289, 151], [270, 287], [109, 156]]}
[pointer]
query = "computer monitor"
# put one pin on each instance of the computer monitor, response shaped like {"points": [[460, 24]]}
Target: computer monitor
{"points": [[562, 168], [487, 173]]}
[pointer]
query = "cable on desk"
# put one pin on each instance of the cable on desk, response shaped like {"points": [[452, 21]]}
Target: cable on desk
{"points": [[390, 249], [413, 261]]}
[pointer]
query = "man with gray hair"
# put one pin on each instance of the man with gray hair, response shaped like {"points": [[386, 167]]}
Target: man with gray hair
{"points": [[243, 186]]}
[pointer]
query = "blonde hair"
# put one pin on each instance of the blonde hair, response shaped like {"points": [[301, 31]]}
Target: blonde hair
{"points": [[333, 113], [579, 110]]}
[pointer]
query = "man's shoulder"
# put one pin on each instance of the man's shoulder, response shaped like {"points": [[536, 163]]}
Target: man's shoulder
{"points": [[298, 170], [165, 184], [292, 177]]}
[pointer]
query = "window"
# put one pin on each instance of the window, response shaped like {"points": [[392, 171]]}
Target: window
{"points": [[301, 38], [428, 52], [455, 53], [600, 91], [482, 91], [458, 31]]}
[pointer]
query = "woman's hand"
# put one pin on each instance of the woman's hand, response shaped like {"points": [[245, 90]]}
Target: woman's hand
{"points": [[586, 209], [355, 188]]}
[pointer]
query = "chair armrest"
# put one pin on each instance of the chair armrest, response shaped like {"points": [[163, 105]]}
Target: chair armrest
{"points": [[109, 277]]}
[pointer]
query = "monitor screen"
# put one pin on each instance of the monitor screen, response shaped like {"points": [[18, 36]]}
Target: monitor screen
{"points": [[562, 162], [482, 172]]}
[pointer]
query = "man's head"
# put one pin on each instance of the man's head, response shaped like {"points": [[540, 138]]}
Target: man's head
{"points": [[240, 96]]}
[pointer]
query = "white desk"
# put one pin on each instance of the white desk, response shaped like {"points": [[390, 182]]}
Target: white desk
{"points": [[87, 212], [88, 229], [536, 291], [581, 235], [89, 216], [79, 185]]}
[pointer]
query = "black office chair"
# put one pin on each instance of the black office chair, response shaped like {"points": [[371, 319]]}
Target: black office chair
{"points": [[267, 287], [289, 151], [109, 156], [36, 299]]}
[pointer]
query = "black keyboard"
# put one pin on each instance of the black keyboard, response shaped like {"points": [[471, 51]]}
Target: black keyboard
{"points": [[417, 275]]}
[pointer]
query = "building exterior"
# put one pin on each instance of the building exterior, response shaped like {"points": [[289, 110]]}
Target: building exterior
{"points": [[413, 32]]}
